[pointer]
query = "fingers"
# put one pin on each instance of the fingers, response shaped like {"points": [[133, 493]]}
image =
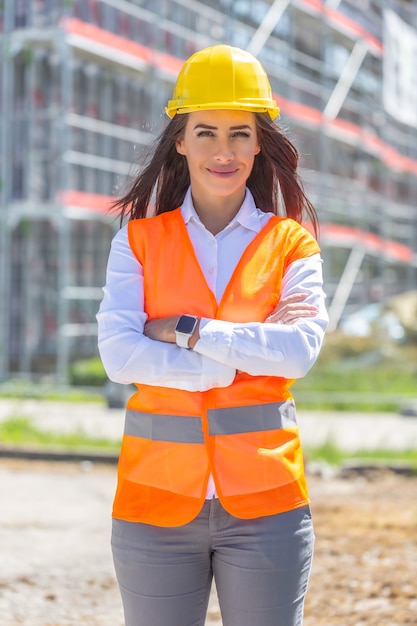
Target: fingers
{"points": [[289, 317], [292, 299], [290, 309]]}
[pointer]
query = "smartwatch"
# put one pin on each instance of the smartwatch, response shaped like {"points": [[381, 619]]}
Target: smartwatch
{"points": [[184, 329]]}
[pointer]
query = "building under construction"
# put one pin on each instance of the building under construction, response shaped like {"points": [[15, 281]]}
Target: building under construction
{"points": [[83, 86]]}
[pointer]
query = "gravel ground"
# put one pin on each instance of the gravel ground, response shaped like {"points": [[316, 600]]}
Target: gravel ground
{"points": [[56, 567], [365, 565]]}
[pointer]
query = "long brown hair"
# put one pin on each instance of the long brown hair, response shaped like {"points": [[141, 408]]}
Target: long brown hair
{"points": [[274, 181]]}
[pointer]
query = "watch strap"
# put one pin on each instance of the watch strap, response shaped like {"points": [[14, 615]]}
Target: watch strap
{"points": [[182, 340]]}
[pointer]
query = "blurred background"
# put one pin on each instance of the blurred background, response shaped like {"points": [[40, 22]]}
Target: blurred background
{"points": [[83, 86]]}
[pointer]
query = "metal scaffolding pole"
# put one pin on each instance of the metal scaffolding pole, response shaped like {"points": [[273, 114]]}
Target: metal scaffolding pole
{"points": [[64, 226], [271, 19], [5, 188], [346, 79], [346, 282]]}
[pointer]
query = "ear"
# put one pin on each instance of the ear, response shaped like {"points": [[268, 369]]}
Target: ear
{"points": [[257, 149], [179, 145]]}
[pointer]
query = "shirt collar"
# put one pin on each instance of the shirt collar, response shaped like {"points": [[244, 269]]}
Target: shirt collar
{"points": [[248, 215]]}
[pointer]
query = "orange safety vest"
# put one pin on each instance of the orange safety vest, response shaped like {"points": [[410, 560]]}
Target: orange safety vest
{"points": [[246, 434]]}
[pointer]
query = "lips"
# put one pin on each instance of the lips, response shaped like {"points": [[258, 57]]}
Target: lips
{"points": [[223, 173]]}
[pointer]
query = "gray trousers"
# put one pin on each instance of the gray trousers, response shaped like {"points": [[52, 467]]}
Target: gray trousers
{"points": [[261, 568]]}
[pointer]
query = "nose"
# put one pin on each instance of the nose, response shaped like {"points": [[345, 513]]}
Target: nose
{"points": [[224, 152]]}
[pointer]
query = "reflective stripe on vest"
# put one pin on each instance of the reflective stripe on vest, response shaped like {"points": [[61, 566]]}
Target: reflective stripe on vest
{"points": [[249, 419], [227, 421], [174, 428]]}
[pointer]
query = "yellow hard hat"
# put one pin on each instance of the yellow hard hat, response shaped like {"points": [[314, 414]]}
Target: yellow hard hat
{"points": [[222, 77]]}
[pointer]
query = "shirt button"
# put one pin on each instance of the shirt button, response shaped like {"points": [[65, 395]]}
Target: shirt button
{"points": [[211, 270]]}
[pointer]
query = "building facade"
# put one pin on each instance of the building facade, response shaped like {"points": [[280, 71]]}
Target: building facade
{"points": [[83, 86]]}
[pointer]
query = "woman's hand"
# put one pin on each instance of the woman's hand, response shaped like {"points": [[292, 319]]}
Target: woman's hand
{"points": [[290, 309]]}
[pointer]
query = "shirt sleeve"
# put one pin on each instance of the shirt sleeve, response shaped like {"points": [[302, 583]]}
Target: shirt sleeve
{"points": [[127, 354], [271, 349]]}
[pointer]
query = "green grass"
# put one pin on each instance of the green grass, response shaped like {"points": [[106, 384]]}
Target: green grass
{"points": [[19, 431], [353, 375], [88, 372], [331, 454], [24, 389], [338, 377]]}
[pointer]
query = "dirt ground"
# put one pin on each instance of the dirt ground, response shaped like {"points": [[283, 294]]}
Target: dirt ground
{"points": [[365, 565], [56, 570]]}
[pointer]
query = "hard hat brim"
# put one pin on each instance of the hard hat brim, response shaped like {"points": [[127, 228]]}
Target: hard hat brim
{"points": [[175, 108]]}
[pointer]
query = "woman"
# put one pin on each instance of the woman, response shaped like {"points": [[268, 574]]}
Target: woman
{"points": [[212, 307]]}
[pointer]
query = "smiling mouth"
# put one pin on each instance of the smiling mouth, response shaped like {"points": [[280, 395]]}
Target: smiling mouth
{"points": [[222, 173]]}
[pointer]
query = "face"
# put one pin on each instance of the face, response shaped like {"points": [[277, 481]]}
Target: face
{"points": [[220, 148]]}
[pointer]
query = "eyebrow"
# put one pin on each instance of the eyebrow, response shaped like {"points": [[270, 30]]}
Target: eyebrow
{"points": [[208, 127]]}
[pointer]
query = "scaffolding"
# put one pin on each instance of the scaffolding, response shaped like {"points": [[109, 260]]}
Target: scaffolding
{"points": [[83, 85]]}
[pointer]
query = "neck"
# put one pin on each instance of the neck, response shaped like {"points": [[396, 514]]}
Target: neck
{"points": [[216, 213]]}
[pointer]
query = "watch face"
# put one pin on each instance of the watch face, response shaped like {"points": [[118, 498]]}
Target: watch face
{"points": [[186, 324]]}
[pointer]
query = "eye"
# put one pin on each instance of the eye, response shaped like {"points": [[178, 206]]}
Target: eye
{"points": [[241, 133], [205, 133]]}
